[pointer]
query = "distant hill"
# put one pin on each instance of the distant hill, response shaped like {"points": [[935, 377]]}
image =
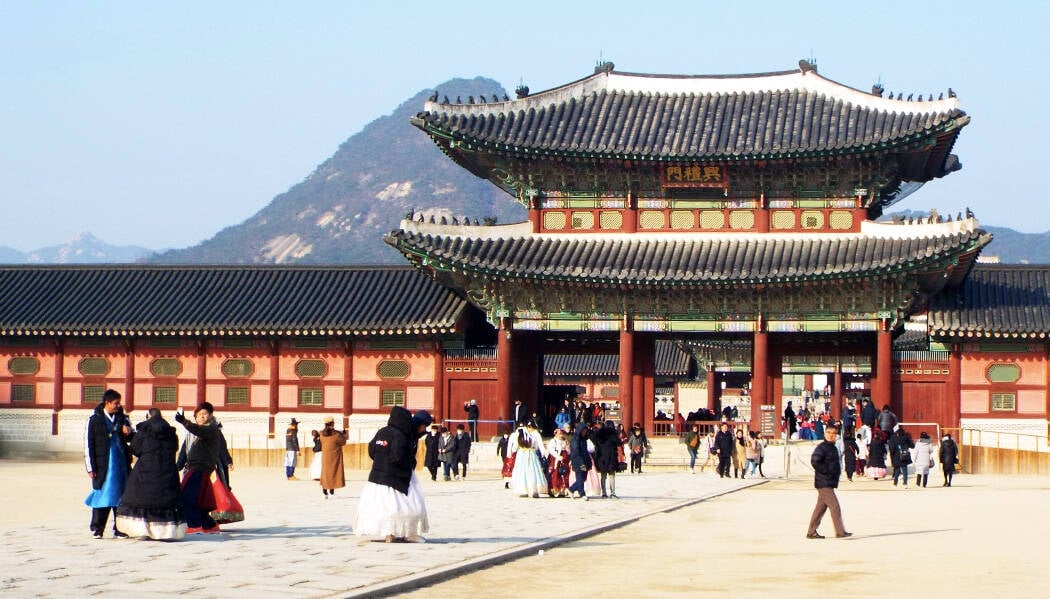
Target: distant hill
{"points": [[339, 213], [1008, 245], [84, 248]]}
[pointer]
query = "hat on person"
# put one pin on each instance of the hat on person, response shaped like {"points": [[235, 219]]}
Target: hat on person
{"points": [[329, 420], [421, 418], [295, 422]]}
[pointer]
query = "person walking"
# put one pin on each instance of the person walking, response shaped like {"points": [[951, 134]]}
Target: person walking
{"points": [[923, 460], [638, 443], [606, 457], [506, 457], [581, 462], [876, 468], [473, 414], [724, 449], [949, 457], [692, 446], [900, 445], [315, 461], [529, 478], [107, 458], [151, 506], [291, 449], [739, 452], [887, 420], [752, 453], [392, 504], [790, 421], [826, 473], [463, 442], [558, 464], [868, 414], [430, 455], [202, 455], [332, 442], [849, 455], [862, 455], [447, 453]]}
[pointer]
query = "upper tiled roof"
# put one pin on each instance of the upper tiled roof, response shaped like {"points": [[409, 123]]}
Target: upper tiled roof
{"points": [[668, 259], [185, 300], [644, 117], [670, 360], [1011, 301]]}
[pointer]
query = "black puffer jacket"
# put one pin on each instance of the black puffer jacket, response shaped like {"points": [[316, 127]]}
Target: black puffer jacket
{"points": [[98, 431], [605, 455], [154, 481], [826, 468], [393, 451]]}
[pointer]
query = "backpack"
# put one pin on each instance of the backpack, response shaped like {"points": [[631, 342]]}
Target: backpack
{"points": [[904, 455]]}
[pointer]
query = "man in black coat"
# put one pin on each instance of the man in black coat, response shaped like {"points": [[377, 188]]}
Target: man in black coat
{"points": [[108, 430], [430, 458], [826, 472], [580, 459], [868, 413], [473, 414], [790, 422], [462, 455], [606, 457], [724, 448]]}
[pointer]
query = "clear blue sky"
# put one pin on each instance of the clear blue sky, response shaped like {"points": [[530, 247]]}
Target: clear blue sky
{"points": [[159, 124]]}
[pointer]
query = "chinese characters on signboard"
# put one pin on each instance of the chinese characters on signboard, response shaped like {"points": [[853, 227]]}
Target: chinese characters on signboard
{"points": [[693, 175]]}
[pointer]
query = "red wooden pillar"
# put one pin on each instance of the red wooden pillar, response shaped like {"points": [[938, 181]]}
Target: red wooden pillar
{"points": [[649, 385], [759, 376], [881, 392], [274, 382], [836, 392], [630, 214], [57, 395], [202, 373], [504, 397], [440, 397], [712, 384], [348, 382], [129, 376], [626, 379], [955, 387]]}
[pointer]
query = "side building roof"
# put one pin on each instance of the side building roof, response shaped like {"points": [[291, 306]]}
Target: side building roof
{"points": [[670, 360], [226, 300], [996, 301]]}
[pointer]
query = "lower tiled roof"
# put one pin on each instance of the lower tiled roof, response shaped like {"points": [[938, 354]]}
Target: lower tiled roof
{"points": [[670, 360], [645, 260], [238, 300], [995, 301]]}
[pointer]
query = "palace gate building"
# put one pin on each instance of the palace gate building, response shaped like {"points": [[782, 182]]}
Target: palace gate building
{"points": [[681, 229], [733, 213]]}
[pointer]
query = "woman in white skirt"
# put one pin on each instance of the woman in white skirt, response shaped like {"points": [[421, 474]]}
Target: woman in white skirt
{"points": [[530, 469], [315, 463], [391, 504]]}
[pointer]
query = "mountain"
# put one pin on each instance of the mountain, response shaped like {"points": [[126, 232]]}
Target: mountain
{"points": [[340, 212], [84, 248]]}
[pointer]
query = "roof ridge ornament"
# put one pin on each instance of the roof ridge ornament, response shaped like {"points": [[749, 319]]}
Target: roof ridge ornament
{"points": [[604, 66], [807, 66]]}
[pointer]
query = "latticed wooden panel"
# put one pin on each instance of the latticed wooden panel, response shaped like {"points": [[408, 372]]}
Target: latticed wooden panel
{"points": [[91, 395], [651, 219], [392, 369], [165, 395], [94, 367], [165, 367], [237, 396], [741, 219], [311, 368], [392, 397], [782, 219], [610, 219], [812, 219], [311, 397], [840, 219], [554, 220], [583, 220], [682, 219], [238, 368], [712, 219], [23, 365], [23, 393]]}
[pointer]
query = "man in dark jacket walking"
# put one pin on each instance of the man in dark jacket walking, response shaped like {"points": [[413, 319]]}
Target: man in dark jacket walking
{"points": [[868, 413], [462, 450], [900, 454], [826, 472], [108, 460], [724, 447], [580, 459], [606, 457]]}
